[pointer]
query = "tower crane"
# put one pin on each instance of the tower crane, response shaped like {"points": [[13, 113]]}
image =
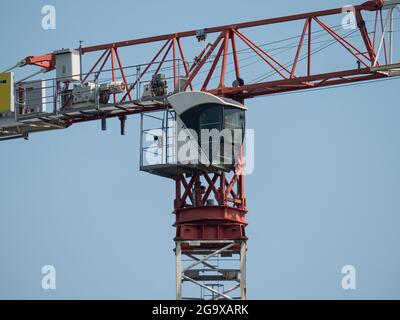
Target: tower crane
{"points": [[176, 96]]}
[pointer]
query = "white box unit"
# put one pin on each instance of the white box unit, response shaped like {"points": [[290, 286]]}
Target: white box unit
{"points": [[67, 65], [35, 96]]}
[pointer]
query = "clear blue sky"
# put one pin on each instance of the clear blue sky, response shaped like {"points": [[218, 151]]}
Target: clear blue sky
{"points": [[324, 193]]}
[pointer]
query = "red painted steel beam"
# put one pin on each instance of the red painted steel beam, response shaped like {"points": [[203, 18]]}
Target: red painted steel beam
{"points": [[305, 82], [198, 58], [102, 66], [203, 60], [224, 59], [266, 89], [364, 33], [145, 70], [346, 44], [228, 34], [211, 187], [163, 58], [174, 62], [300, 46], [309, 46], [369, 6], [260, 52], [47, 61], [212, 69], [224, 220], [123, 73], [94, 66], [185, 63], [235, 56]]}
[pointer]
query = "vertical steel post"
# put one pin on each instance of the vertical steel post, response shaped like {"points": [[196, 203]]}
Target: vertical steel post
{"points": [[141, 140], [391, 16], [138, 83], [80, 61], [243, 282], [178, 262], [174, 63], [309, 47], [113, 72], [205, 268]]}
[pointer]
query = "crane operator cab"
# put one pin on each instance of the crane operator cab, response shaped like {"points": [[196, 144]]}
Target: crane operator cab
{"points": [[202, 132]]}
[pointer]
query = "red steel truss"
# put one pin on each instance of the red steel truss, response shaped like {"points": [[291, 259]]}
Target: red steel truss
{"points": [[198, 219], [225, 44]]}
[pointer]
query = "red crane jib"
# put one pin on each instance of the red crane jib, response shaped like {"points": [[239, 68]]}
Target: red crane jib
{"points": [[230, 33]]}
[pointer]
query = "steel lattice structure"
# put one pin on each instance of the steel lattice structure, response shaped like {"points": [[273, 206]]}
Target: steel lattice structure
{"points": [[203, 231], [373, 55]]}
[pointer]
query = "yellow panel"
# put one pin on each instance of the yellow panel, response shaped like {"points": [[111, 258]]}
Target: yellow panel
{"points": [[6, 92]]}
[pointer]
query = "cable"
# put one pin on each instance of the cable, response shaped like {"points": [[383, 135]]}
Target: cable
{"points": [[286, 49], [272, 50], [317, 50], [290, 47]]}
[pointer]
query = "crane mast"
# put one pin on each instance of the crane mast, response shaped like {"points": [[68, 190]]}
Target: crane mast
{"points": [[174, 94]]}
